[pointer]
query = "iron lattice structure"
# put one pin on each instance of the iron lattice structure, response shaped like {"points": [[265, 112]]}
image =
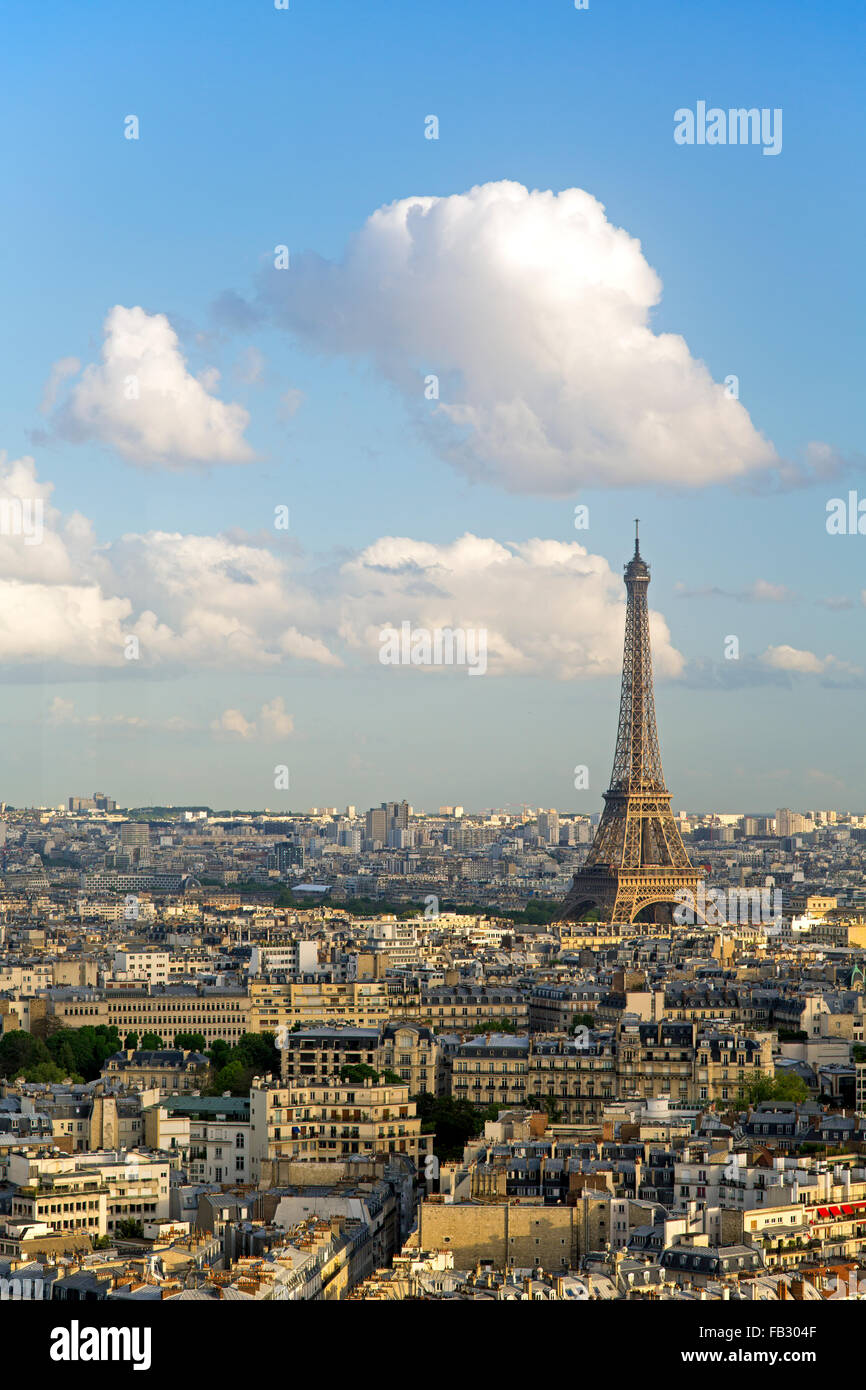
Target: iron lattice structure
{"points": [[637, 858]]}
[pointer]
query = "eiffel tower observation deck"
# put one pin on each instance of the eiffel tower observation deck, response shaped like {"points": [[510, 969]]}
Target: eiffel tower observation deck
{"points": [[637, 862]]}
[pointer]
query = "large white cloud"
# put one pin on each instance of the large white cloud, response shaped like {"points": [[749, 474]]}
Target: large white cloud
{"points": [[547, 607], [535, 313], [142, 401]]}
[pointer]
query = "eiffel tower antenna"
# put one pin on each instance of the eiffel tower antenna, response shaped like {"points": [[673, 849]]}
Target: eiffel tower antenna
{"points": [[637, 859]]}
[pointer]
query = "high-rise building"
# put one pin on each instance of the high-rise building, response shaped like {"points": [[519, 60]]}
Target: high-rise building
{"points": [[376, 826], [135, 833], [97, 802], [388, 825]]}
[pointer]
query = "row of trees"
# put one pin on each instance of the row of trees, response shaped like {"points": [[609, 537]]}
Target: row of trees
{"points": [[77, 1053], [233, 1066]]}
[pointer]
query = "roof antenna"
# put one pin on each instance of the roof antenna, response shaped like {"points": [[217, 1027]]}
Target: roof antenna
{"points": [[636, 524]]}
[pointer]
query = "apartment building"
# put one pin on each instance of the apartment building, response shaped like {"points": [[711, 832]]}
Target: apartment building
{"points": [[292, 958], [92, 1192], [726, 1061], [152, 966], [554, 1008], [209, 1136], [214, 1013], [492, 1069], [332, 1120], [471, 1008], [668, 1058], [576, 1077], [174, 1069], [407, 1049], [282, 1004]]}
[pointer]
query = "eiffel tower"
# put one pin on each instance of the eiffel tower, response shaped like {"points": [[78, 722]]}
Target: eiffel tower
{"points": [[637, 859]]}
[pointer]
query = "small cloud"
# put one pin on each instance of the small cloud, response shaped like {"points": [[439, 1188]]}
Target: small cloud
{"points": [[748, 672], [290, 403], [784, 658], [276, 723], [142, 401], [295, 643], [836, 603], [232, 722], [60, 372], [60, 711], [63, 712], [838, 673], [761, 591]]}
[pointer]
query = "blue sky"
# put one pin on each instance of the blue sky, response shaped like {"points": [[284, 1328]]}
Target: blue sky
{"points": [[261, 127]]}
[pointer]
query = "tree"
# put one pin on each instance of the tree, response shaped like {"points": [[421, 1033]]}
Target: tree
{"points": [[549, 1104], [152, 1042], [83, 1050], [219, 1054], [130, 1042], [259, 1051], [785, 1086], [453, 1122], [191, 1042], [50, 1073], [233, 1068], [130, 1230], [20, 1050], [358, 1073], [234, 1077]]}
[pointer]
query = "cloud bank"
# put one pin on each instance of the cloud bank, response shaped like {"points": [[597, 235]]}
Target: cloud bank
{"points": [[173, 602]]}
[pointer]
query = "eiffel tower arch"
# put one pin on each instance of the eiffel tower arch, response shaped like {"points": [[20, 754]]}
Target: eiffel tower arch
{"points": [[637, 860]]}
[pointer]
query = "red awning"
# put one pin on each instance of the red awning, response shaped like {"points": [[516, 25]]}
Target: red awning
{"points": [[835, 1211], [849, 1211], [822, 1211]]}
